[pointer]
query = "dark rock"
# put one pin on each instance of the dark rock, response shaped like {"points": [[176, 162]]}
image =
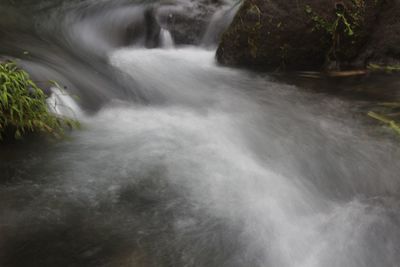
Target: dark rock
{"points": [[384, 45], [300, 34], [144, 30], [152, 29]]}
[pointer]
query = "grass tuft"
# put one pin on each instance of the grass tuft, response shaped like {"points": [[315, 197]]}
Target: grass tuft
{"points": [[23, 107]]}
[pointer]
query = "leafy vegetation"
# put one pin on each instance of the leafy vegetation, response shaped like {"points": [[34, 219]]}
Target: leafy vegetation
{"points": [[345, 30], [23, 107]]}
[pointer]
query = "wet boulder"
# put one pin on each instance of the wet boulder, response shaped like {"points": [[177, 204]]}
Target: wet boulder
{"points": [[144, 30], [299, 34], [383, 47]]}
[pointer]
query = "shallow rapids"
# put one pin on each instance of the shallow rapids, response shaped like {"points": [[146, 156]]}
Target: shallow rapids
{"points": [[209, 167]]}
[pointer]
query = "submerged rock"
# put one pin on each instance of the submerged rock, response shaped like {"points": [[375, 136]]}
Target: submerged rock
{"points": [[309, 34]]}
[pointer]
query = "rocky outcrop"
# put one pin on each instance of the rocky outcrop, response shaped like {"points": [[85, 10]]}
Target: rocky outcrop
{"points": [[311, 34], [383, 47]]}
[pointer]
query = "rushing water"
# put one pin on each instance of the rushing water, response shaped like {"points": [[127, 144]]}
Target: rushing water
{"points": [[181, 162]]}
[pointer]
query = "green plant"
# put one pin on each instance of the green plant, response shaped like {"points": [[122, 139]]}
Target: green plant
{"points": [[344, 30], [394, 125], [387, 113], [384, 68], [23, 107], [319, 22]]}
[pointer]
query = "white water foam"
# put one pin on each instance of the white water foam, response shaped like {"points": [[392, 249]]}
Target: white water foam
{"points": [[204, 147], [63, 104]]}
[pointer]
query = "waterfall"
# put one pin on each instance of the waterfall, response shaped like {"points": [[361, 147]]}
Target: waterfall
{"points": [[218, 23], [181, 162], [166, 39]]}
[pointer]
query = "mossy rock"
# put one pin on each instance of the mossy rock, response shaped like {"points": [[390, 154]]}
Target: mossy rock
{"points": [[297, 34], [383, 47]]}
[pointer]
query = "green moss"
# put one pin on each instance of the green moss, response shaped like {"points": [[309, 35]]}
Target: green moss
{"points": [[319, 22], [23, 107]]}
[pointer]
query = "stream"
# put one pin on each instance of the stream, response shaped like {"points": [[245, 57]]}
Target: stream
{"points": [[181, 162]]}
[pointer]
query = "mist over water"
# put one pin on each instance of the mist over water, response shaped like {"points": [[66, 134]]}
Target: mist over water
{"points": [[182, 162]]}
